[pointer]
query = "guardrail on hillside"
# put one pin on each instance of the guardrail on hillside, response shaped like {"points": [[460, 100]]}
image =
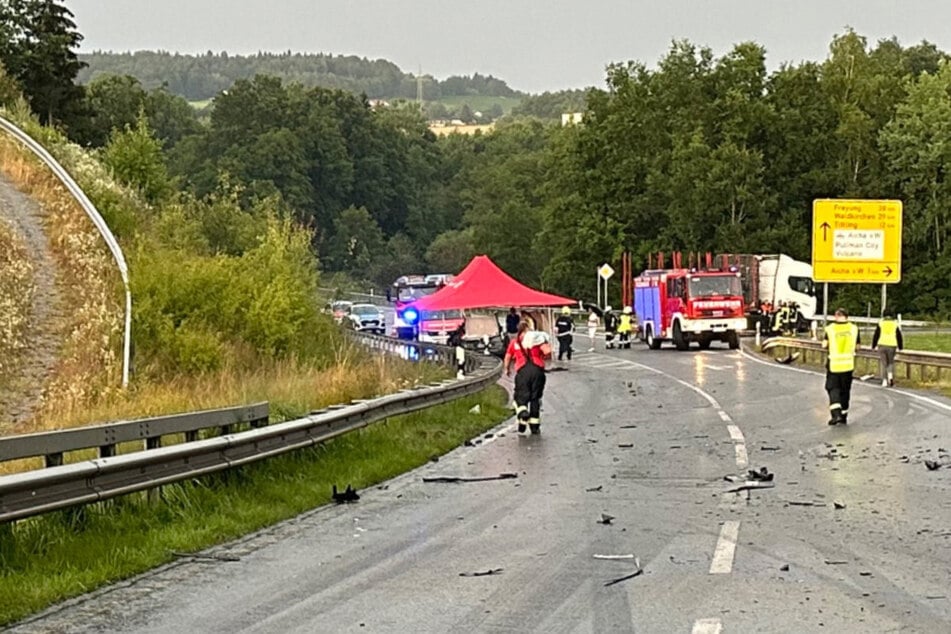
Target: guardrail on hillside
{"points": [[62, 486], [931, 366]]}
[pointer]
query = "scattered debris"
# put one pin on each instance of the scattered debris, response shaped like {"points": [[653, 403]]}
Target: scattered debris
{"points": [[865, 573], [763, 475], [434, 458], [784, 568], [349, 495], [768, 448], [476, 409], [625, 445], [835, 562], [676, 447], [933, 465], [631, 556], [732, 478], [605, 518], [804, 503], [501, 476], [628, 427], [469, 443], [482, 573], [838, 505], [749, 486], [866, 377], [206, 557], [788, 358], [592, 440], [639, 571], [596, 489], [936, 596], [487, 436]]}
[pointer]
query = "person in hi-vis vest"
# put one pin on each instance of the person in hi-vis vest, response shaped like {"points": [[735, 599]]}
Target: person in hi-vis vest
{"points": [[888, 340], [841, 341]]}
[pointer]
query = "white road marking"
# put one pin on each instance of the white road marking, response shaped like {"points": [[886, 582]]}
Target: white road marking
{"points": [[735, 434], [707, 626], [707, 366], [726, 548], [725, 417], [742, 460]]}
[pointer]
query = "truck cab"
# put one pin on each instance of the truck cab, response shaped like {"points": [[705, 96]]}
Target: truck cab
{"points": [[436, 326]]}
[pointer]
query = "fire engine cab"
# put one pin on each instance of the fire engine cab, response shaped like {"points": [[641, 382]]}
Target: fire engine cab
{"points": [[689, 304]]}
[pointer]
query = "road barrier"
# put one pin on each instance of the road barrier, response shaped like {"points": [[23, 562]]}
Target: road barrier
{"points": [[60, 486], [919, 365]]}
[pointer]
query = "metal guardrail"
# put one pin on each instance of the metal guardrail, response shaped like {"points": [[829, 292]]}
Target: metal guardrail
{"points": [[58, 487], [932, 366]]}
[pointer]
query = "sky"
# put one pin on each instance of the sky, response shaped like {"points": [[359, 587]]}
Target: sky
{"points": [[533, 45]]}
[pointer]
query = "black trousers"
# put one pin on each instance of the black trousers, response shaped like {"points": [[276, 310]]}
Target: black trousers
{"points": [[839, 387], [564, 345], [529, 389]]}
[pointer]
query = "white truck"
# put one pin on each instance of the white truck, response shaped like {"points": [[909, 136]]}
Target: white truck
{"points": [[774, 279]]}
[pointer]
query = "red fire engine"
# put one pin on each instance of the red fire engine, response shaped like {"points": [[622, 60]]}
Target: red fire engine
{"points": [[689, 304]]}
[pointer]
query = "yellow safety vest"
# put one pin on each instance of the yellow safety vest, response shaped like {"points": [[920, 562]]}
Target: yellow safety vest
{"points": [[842, 338], [888, 333], [626, 324]]}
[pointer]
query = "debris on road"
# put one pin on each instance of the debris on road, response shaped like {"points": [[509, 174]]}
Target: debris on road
{"points": [[638, 572], [835, 562], [784, 568], [866, 377], [482, 573], [476, 409], [501, 476], [628, 427], [763, 475], [788, 358], [768, 448], [596, 489], [349, 495], [838, 505], [625, 445], [732, 478], [605, 519], [750, 486], [865, 573], [591, 440], [804, 503], [631, 556], [933, 465]]}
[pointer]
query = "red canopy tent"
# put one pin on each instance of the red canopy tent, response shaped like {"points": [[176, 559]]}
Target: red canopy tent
{"points": [[482, 284]]}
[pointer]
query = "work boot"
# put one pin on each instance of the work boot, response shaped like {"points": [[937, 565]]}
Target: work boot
{"points": [[536, 428], [522, 429], [833, 421], [891, 382]]}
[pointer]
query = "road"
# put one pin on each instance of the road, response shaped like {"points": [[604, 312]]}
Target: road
{"points": [[647, 437]]}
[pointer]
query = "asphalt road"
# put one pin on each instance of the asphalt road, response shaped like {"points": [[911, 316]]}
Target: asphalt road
{"points": [[783, 559]]}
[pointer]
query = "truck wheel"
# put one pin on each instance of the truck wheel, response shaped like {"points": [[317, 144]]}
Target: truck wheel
{"points": [[679, 340], [652, 342], [705, 343], [734, 340]]}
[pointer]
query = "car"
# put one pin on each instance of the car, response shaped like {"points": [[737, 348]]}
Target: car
{"points": [[366, 318], [339, 310]]}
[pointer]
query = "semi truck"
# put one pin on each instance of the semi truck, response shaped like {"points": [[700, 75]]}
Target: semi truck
{"points": [[685, 305], [772, 279]]}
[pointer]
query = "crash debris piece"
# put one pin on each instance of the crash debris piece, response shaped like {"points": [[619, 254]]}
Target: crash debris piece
{"points": [[631, 556], [348, 495], [636, 573], [476, 409], [596, 489], [482, 573], [763, 475], [501, 476], [838, 505], [604, 518]]}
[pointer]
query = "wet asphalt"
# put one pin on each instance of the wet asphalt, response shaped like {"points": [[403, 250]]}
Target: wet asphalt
{"points": [[852, 536]]}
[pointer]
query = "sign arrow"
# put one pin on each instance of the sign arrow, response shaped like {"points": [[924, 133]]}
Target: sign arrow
{"points": [[887, 270], [825, 226]]}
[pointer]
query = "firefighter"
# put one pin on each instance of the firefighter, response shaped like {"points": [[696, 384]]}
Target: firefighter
{"points": [[888, 340], [841, 340], [626, 327], [779, 318], [525, 351], [564, 327], [593, 323], [610, 327]]}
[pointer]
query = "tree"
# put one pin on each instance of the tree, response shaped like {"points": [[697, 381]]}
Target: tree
{"points": [[38, 45], [451, 251], [357, 242], [135, 156]]}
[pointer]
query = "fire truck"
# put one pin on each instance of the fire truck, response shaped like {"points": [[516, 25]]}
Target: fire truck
{"points": [[686, 304], [407, 321]]}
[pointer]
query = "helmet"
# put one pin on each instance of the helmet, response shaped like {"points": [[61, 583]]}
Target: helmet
{"points": [[627, 310], [565, 311], [607, 309]]}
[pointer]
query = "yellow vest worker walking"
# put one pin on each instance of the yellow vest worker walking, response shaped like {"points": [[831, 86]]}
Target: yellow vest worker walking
{"points": [[888, 340], [841, 340]]}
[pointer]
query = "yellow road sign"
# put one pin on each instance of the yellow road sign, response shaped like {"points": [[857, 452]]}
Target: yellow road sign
{"points": [[605, 271], [856, 241]]}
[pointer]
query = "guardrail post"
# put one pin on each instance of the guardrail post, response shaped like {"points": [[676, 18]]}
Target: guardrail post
{"points": [[107, 451], [758, 328], [53, 460], [226, 429]]}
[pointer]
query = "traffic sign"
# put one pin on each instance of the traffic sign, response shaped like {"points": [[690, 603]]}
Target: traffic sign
{"points": [[605, 271], [856, 241]]}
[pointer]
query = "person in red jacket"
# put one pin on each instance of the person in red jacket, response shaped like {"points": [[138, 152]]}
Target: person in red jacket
{"points": [[529, 359]]}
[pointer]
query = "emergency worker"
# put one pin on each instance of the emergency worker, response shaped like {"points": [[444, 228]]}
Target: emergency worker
{"points": [[841, 341], [625, 327], [593, 323], [526, 352], [779, 318], [610, 327], [564, 327], [511, 323], [888, 339]]}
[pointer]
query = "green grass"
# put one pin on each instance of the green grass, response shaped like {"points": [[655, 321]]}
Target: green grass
{"points": [[930, 342], [479, 102], [60, 555]]}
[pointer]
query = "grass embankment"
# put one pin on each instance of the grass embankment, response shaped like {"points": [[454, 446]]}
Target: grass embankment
{"points": [[50, 558], [930, 342], [16, 293]]}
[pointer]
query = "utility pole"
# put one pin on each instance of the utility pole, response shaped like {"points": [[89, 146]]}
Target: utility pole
{"points": [[419, 86]]}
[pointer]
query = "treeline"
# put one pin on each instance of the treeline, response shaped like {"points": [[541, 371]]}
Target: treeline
{"points": [[200, 77]]}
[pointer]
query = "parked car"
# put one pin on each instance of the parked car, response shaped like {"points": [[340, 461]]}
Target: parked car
{"points": [[366, 318], [340, 309]]}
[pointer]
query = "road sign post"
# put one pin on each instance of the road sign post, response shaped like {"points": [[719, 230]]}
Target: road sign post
{"points": [[605, 271], [856, 241]]}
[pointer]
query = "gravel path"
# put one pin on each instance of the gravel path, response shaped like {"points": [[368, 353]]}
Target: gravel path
{"points": [[18, 398]]}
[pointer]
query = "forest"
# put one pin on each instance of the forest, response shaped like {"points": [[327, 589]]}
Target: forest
{"points": [[689, 152]]}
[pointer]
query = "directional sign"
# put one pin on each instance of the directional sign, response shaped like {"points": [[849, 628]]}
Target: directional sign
{"points": [[856, 241], [605, 271]]}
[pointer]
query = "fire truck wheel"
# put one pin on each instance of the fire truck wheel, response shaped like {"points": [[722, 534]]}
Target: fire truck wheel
{"points": [[734, 340], [705, 343], [679, 340], [652, 342]]}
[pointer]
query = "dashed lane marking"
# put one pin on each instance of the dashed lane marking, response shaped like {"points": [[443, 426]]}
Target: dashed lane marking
{"points": [[726, 548], [707, 626]]}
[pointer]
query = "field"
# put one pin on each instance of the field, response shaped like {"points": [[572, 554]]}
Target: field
{"points": [[928, 341], [479, 102]]}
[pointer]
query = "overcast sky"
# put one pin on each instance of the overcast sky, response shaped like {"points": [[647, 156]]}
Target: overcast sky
{"points": [[533, 45]]}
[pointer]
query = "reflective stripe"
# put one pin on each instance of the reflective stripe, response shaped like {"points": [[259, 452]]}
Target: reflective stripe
{"points": [[842, 338], [888, 335]]}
